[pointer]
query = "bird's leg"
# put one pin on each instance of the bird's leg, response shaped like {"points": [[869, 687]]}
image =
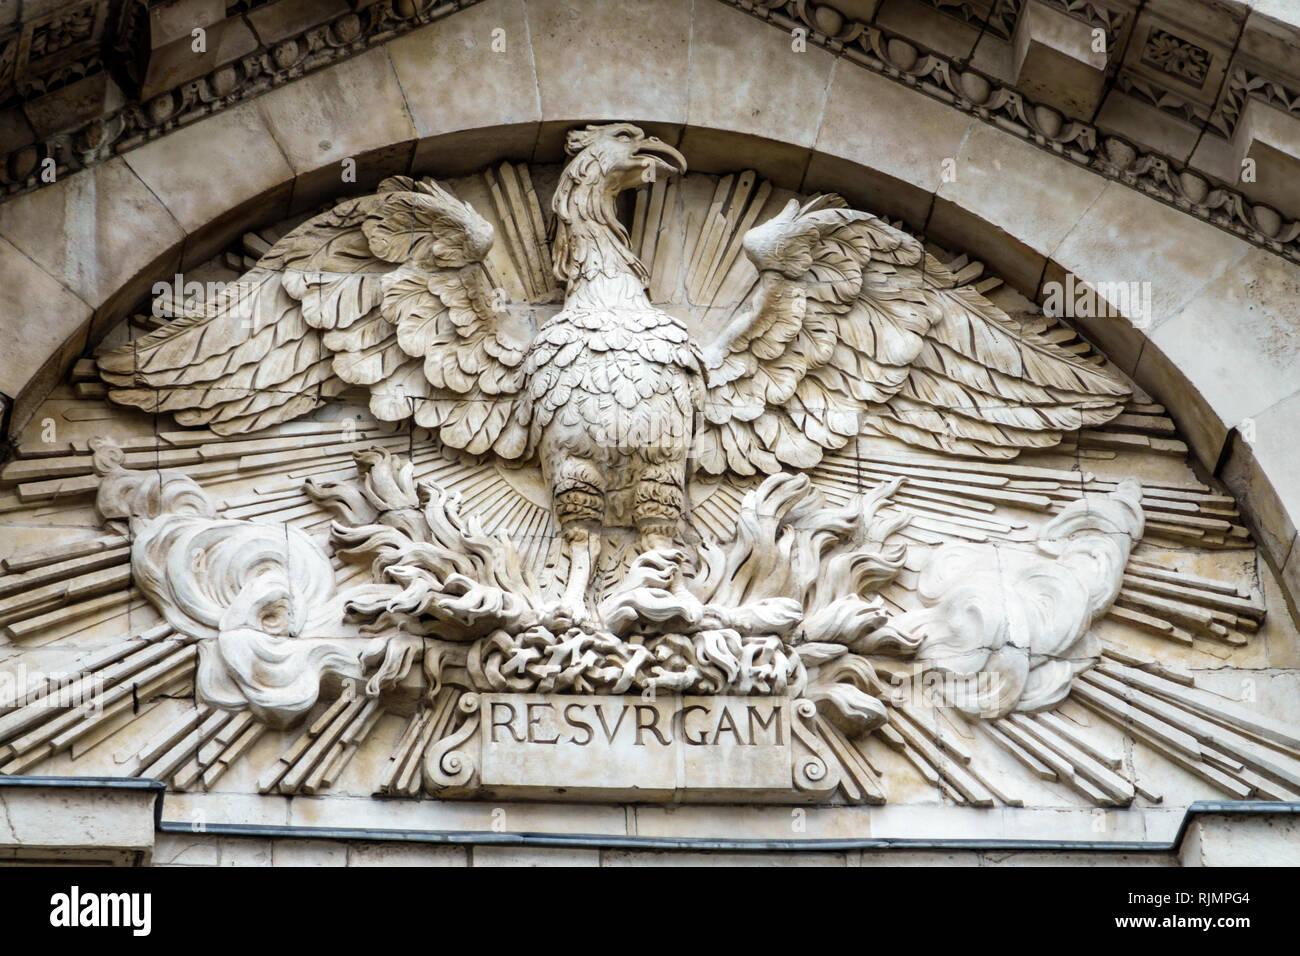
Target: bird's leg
{"points": [[582, 543], [659, 506], [580, 510]]}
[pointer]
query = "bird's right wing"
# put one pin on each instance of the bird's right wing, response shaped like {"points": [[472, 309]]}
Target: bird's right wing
{"points": [[385, 291]]}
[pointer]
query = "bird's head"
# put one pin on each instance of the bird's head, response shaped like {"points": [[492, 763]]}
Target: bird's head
{"points": [[619, 156], [589, 240]]}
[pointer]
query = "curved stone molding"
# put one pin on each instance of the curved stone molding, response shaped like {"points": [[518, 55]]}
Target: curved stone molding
{"points": [[267, 57]]}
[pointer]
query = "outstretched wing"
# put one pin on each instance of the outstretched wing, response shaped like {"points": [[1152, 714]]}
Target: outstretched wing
{"points": [[385, 291], [851, 326]]}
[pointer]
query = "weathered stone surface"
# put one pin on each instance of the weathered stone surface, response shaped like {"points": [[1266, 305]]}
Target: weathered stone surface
{"points": [[243, 168], [533, 856], [1123, 237], [1055, 61], [355, 114], [436, 58], [171, 21], [1050, 196], [1135, 120], [1262, 470], [84, 822], [781, 101], [177, 62], [406, 854], [70, 106], [1252, 364], [1262, 158], [101, 233], [50, 315], [286, 18], [292, 852], [593, 63], [1240, 840], [897, 168]]}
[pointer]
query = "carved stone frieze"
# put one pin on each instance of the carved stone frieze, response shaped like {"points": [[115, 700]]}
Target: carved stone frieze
{"points": [[745, 496], [164, 92], [1000, 103], [269, 54]]}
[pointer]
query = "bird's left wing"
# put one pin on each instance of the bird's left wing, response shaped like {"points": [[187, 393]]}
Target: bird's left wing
{"points": [[851, 326]]}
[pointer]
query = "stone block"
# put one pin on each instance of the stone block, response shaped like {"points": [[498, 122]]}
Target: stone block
{"points": [[178, 62], [295, 852], [242, 169], [101, 233], [433, 815], [406, 854], [1242, 840], [354, 110], [183, 849], [1263, 474], [594, 62], [284, 19], [1055, 61], [1270, 138], [782, 101], [39, 315], [932, 28], [896, 167], [171, 21], [244, 851], [1025, 191], [1153, 129], [434, 59], [84, 821], [1237, 341], [629, 748], [533, 856], [1125, 237], [72, 105]]}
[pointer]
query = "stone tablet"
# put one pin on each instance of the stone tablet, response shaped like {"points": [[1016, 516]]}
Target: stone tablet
{"points": [[628, 745]]}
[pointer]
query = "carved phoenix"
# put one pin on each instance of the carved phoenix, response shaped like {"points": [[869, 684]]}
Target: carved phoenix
{"points": [[850, 324]]}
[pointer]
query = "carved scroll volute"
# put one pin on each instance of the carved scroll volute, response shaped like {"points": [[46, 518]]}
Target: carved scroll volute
{"points": [[451, 765], [816, 771]]}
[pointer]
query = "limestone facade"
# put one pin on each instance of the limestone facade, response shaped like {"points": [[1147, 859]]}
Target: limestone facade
{"points": [[1091, 199]]}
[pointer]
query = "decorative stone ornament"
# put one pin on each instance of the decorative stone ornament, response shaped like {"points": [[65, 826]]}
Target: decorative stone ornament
{"points": [[849, 321], [710, 506]]}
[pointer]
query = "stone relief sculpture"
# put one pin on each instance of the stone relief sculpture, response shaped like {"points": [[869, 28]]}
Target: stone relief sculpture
{"points": [[849, 321], [257, 599], [615, 500]]}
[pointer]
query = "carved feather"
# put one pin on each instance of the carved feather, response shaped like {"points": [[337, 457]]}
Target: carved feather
{"points": [[852, 325], [349, 297]]}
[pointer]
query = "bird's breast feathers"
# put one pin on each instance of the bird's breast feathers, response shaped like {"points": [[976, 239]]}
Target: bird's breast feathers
{"points": [[595, 361]]}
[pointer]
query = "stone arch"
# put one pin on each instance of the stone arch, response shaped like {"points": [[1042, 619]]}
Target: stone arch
{"points": [[1217, 346]]}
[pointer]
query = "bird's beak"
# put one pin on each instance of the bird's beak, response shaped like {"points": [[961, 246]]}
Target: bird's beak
{"points": [[664, 158]]}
